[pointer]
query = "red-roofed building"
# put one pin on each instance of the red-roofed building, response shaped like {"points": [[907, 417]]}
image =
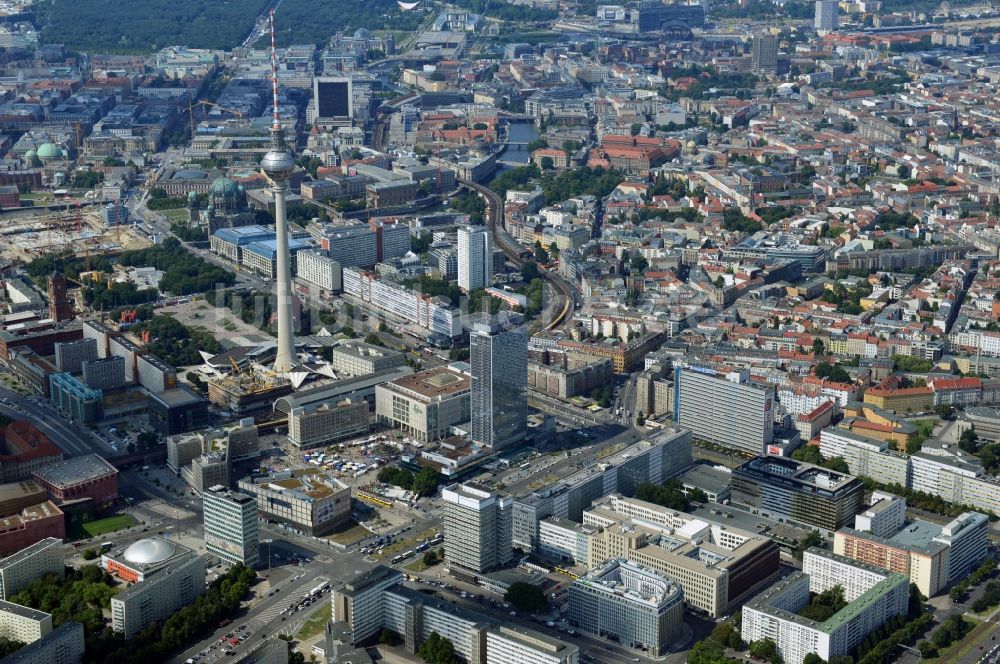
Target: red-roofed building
{"points": [[25, 450], [810, 424], [957, 391]]}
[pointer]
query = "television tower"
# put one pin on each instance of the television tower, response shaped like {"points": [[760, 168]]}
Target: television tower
{"points": [[277, 165]]}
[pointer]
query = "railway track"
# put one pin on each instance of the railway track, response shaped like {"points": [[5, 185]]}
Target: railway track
{"points": [[513, 251]]}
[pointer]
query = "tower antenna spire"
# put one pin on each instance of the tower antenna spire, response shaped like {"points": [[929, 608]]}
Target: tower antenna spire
{"points": [[274, 75]]}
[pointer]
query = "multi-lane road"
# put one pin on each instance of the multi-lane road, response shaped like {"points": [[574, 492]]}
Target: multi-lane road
{"points": [[72, 439]]}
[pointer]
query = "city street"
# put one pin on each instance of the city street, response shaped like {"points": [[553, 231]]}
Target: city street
{"points": [[72, 439]]}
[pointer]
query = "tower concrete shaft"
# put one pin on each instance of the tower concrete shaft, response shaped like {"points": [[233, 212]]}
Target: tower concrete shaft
{"points": [[278, 165], [285, 359]]}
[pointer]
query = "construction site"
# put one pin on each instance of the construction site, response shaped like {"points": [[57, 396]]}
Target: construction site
{"points": [[247, 390], [29, 235]]}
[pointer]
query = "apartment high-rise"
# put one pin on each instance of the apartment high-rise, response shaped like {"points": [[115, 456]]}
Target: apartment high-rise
{"points": [[34, 562], [499, 359], [231, 526], [826, 15], [477, 527], [725, 410], [475, 258], [874, 596], [764, 54]]}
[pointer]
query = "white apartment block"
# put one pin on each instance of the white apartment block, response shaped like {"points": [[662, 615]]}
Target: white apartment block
{"points": [[359, 602], [31, 563], [63, 645], [874, 595], [158, 597], [517, 645], [885, 517], [965, 536], [954, 480], [562, 539], [318, 270], [433, 314], [868, 457], [475, 258], [20, 623]]}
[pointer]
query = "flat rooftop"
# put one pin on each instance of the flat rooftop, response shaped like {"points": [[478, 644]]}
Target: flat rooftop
{"points": [[22, 489], [176, 397], [76, 470], [26, 552], [434, 383], [23, 611]]}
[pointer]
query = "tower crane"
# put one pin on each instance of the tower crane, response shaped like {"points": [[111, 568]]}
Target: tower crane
{"points": [[205, 102]]}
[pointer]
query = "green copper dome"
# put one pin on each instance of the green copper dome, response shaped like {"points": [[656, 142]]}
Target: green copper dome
{"points": [[225, 187], [49, 151]]}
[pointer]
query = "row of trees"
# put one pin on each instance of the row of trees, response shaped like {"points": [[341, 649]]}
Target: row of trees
{"points": [[989, 599], [919, 499], [985, 569], [145, 25], [951, 630]]}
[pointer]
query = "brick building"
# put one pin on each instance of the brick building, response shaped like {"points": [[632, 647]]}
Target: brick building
{"points": [[89, 476]]}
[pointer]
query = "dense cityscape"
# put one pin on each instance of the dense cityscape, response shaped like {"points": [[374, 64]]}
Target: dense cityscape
{"points": [[511, 332]]}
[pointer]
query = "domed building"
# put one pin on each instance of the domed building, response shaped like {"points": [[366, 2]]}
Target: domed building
{"points": [[226, 196], [50, 152], [226, 207], [143, 558]]}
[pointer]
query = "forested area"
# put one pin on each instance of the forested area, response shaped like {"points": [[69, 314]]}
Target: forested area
{"points": [[136, 26], [141, 26]]}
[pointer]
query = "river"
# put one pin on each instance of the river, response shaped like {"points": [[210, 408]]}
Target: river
{"points": [[519, 132]]}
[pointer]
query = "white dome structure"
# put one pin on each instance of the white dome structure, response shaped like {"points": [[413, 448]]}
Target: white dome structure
{"points": [[149, 551]]}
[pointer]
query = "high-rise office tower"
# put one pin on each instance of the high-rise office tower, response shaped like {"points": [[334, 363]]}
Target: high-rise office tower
{"points": [[727, 410], [826, 15], [60, 308], [475, 258], [333, 97], [278, 165], [764, 57], [499, 358], [477, 527], [231, 526]]}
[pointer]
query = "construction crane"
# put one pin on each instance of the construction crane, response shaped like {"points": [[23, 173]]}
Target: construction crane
{"points": [[205, 102]]}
